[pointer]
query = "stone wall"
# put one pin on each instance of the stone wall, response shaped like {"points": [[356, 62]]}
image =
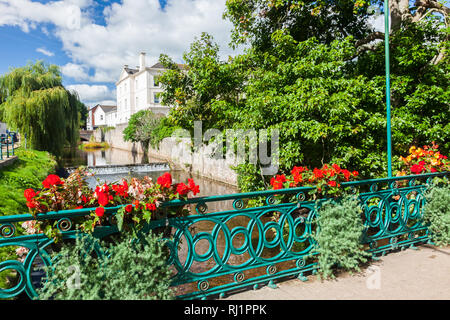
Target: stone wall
{"points": [[177, 151]]}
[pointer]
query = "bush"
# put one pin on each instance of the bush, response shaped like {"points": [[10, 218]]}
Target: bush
{"points": [[437, 213], [339, 234], [132, 270]]}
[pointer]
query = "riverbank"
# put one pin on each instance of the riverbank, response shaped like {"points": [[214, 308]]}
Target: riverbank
{"points": [[28, 171]]}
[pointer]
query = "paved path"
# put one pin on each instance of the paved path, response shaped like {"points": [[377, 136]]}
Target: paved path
{"points": [[411, 274]]}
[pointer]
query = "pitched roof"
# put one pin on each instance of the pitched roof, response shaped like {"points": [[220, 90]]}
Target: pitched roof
{"points": [[107, 109], [131, 71]]}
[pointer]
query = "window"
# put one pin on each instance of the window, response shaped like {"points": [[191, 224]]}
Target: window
{"points": [[137, 101], [137, 84], [126, 105], [156, 81], [101, 117], [156, 97]]}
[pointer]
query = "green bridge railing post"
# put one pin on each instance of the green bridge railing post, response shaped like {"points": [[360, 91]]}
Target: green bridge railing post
{"points": [[388, 88]]}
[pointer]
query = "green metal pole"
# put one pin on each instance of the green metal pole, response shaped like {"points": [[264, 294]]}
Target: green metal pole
{"points": [[388, 86]]}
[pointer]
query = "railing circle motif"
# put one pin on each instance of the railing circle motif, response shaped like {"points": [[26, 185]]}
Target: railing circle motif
{"points": [[271, 269], [300, 263], [7, 230], [270, 200], [238, 204], [301, 196], [203, 285], [64, 224], [239, 277], [201, 208]]}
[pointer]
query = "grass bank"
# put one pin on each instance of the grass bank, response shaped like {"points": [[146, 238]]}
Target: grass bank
{"points": [[27, 172]]}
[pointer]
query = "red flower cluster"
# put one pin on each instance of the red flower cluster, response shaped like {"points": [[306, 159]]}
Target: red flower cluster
{"points": [[51, 180], [278, 181], [165, 180], [424, 160], [102, 195], [29, 194], [302, 176], [183, 189], [121, 189], [150, 206], [74, 193]]}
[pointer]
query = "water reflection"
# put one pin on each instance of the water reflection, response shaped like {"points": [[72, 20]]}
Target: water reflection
{"points": [[112, 156]]}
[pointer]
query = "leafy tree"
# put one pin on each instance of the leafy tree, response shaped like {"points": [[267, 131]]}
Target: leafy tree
{"points": [[325, 93], [36, 104], [142, 127], [204, 80]]}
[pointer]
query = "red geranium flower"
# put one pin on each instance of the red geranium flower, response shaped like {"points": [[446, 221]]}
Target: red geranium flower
{"points": [[150, 206], [193, 187], [165, 180], [51, 180], [129, 208], [100, 211], [102, 198], [29, 194], [332, 183], [182, 189], [31, 205]]}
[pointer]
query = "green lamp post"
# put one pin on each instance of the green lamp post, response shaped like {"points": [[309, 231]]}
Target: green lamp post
{"points": [[388, 87]]}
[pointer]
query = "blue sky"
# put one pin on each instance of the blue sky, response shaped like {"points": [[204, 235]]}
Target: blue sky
{"points": [[91, 40]]}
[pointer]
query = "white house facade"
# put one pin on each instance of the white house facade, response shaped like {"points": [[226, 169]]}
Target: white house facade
{"points": [[139, 89]]}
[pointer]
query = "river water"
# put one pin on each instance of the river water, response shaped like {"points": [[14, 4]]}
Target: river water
{"points": [[112, 156]]}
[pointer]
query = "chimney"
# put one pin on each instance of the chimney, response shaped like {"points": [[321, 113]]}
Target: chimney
{"points": [[142, 61]]}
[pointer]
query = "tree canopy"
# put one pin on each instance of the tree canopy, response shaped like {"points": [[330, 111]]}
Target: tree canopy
{"points": [[316, 72], [35, 103]]}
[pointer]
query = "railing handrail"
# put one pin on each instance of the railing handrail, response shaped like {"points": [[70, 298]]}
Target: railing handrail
{"points": [[53, 215]]}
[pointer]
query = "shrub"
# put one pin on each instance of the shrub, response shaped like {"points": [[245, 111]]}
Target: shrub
{"points": [[130, 270], [339, 233], [437, 213]]}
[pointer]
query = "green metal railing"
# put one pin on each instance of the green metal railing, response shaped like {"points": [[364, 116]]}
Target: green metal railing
{"points": [[212, 253], [7, 140]]}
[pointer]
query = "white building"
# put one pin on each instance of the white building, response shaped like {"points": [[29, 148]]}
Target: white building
{"points": [[139, 89], [101, 115]]}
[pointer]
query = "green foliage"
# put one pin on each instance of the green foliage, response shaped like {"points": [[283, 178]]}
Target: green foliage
{"points": [[437, 213], [339, 233], [254, 21], [146, 127], [36, 104], [132, 270], [327, 106]]}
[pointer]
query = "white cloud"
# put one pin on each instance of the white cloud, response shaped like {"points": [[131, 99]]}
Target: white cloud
{"points": [[45, 52], [92, 93], [75, 71]]}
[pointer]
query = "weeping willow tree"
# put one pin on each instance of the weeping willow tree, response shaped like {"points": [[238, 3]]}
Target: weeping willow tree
{"points": [[34, 102]]}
